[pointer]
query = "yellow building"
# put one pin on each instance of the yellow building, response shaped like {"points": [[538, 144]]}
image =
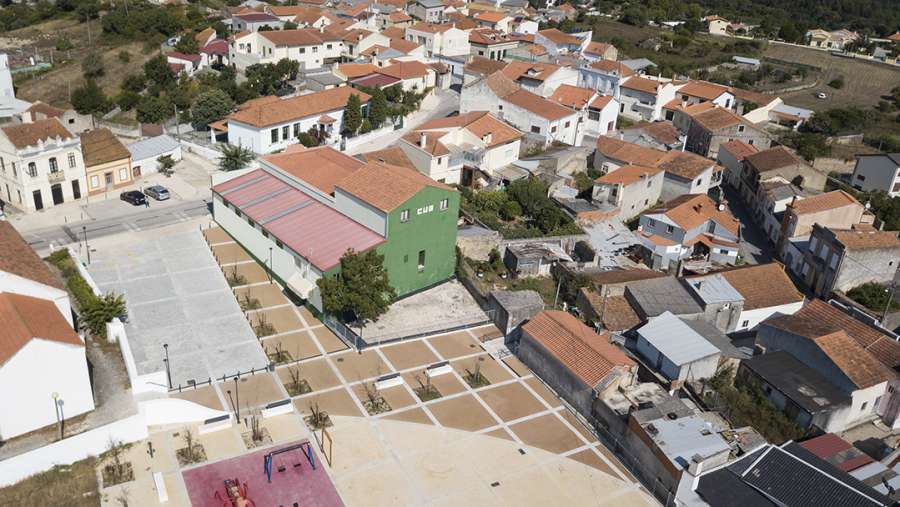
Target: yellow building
{"points": [[107, 161]]}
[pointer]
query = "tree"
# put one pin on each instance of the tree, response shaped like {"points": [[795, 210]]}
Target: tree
{"points": [[127, 100], [166, 165], [353, 114], [152, 109], [102, 310], [187, 44], [307, 140], [92, 65], [158, 72], [211, 105], [378, 108], [510, 210], [234, 158], [63, 44], [134, 83], [873, 296], [361, 289], [89, 99]]}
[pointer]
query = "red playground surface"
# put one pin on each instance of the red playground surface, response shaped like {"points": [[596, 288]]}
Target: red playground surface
{"points": [[294, 482]]}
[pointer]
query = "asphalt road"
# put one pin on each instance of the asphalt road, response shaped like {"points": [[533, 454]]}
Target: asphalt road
{"points": [[139, 220]]}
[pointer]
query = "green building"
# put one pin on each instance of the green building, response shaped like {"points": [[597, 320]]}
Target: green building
{"points": [[303, 209]]}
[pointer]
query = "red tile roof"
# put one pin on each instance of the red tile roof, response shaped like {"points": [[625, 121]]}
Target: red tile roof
{"points": [[292, 38], [295, 108], [591, 357], [859, 365], [572, 96], [690, 211], [626, 175], [518, 69], [479, 123], [837, 451], [312, 229], [322, 167], [19, 259], [538, 105], [824, 202], [30, 134], [386, 186], [738, 149], [763, 285], [24, 318]]}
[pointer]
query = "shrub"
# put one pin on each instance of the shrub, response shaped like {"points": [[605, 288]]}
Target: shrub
{"points": [[873, 296], [510, 210], [63, 44], [102, 310], [837, 83]]}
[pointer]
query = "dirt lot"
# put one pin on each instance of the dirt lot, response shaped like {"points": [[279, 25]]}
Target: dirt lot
{"points": [[865, 82], [69, 486], [54, 86]]}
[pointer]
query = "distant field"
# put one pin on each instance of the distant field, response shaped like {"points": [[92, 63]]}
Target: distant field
{"points": [[864, 82]]}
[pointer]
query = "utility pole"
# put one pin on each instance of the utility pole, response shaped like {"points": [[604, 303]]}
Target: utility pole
{"points": [[887, 305], [168, 369], [86, 246]]}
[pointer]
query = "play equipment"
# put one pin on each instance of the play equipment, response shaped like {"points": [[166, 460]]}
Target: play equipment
{"points": [[304, 447], [237, 494]]}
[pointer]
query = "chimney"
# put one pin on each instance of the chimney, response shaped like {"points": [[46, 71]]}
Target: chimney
{"points": [[423, 138], [486, 139]]}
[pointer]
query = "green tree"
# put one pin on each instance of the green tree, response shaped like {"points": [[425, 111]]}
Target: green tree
{"points": [[102, 310], [127, 99], [378, 108], [361, 289], [510, 210], [134, 83], [307, 140], [63, 44], [152, 109], [92, 65], [187, 44], [234, 158], [211, 105], [158, 72], [166, 165], [353, 114], [89, 99]]}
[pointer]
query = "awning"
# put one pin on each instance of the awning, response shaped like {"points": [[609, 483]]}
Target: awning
{"points": [[300, 286], [325, 119]]}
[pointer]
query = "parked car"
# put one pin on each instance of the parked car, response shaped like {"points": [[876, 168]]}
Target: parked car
{"points": [[158, 192], [134, 197]]}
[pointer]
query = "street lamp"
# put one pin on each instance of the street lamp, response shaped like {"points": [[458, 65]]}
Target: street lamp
{"points": [[166, 360], [270, 265], [56, 407], [86, 246], [237, 399]]}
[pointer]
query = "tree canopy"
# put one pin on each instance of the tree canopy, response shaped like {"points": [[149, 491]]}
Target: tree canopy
{"points": [[353, 114], [211, 105], [361, 290]]}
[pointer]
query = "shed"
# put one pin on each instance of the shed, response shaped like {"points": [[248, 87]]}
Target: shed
{"points": [[512, 308], [676, 350], [144, 153]]}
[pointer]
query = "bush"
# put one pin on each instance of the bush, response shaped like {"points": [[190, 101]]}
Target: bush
{"points": [[127, 100], [873, 296], [837, 83], [510, 210], [124, 56], [63, 44]]}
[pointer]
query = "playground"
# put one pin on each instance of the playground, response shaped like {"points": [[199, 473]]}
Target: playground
{"points": [[282, 476]]}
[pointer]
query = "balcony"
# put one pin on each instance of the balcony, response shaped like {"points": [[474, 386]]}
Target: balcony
{"points": [[56, 177]]}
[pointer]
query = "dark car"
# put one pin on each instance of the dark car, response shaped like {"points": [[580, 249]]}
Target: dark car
{"points": [[158, 192], [134, 197]]}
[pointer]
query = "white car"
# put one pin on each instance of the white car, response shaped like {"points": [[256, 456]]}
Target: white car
{"points": [[821, 95]]}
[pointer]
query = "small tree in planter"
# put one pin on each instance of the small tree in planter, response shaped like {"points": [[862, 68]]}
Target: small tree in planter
{"points": [[118, 470], [166, 165], [263, 327], [234, 278], [192, 452], [257, 435], [426, 390], [317, 418], [474, 377], [375, 402], [279, 356], [249, 302], [297, 386], [102, 310]]}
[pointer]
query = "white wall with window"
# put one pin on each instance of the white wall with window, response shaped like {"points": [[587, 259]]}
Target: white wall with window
{"points": [[39, 177]]}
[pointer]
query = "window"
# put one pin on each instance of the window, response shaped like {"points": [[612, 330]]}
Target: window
{"points": [[650, 223], [315, 49], [302, 50], [2, 164], [750, 142], [274, 133], [646, 202], [250, 221], [568, 123], [123, 174], [328, 46], [699, 181], [32, 169], [670, 229], [480, 53], [95, 181], [862, 407], [745, 323], [404, 215], [649, 183], [896, 187], [553, 129], [285, 133], [740, 128], [279, 244], [72, 160], [445, 203], [593, 116], [536, 129], [421, 260], [499, 107], [405, 258], [296, 129], [54, 167]]}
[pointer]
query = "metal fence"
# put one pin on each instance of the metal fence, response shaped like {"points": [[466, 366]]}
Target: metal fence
{"points": [[356, 341]]}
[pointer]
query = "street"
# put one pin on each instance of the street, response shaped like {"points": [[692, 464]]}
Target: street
{"points": [[754, 246]]}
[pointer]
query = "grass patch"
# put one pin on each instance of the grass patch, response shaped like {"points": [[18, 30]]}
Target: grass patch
{"points": [[188, 456], [72, 485], [111, 476]]}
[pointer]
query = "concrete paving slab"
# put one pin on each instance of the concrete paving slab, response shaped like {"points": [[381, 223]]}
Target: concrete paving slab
{"points": [[432, 472], [486, 333], [317, 373], [356, 444], [266, 294], [285, 428], [409, 354], [209, 305], [490, 369], [454, 345], [516, 366], [251, 272], [463, 413], [299, 345], [229, 253], [328, 340], [591, 459], [445, 384], [205, 396], [380, 487], [397, 397], [283, 319], [355, 367], [337, 402], [187, 259], [511, 401], [543, 392], [579, 427], [308, 317], [416, 415], [147, 290], [216, 235], [500, 433], [548, 433], [254, 390], [206, 279]]}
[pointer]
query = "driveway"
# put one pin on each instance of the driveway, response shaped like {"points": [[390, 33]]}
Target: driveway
{"points": [[437, 105], [754, 247]]}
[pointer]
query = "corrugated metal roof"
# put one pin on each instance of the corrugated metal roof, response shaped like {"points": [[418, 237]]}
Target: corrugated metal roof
{"points": [[314, 230], [676, 340], [152, 147]]}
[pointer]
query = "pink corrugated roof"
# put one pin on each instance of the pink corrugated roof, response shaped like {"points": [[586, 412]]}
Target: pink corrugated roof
{"points": [[314, 230]]}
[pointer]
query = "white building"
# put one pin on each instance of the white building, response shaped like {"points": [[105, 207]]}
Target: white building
{"points": [[454, 149], [542, 117], [541, 78], [439, 40], [146, 153], [9, 104], [598, 113], [274, 125], [676, 350], [41, 165], [561, 43], [643, 99], [304, 46], [605, 76], [37, 338], [253, 21], [878, 172]]}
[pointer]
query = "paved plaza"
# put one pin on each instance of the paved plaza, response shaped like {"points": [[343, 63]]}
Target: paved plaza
{"points": [[177, 295]]}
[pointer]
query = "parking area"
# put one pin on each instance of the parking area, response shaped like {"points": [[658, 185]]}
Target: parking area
{"points": [[177, 296]]}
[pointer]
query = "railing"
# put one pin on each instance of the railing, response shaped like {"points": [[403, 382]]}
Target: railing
{"points": [[56, 177]]}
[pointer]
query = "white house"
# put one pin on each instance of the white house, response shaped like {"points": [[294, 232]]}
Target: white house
{"points": [[542, 117], [628, 190], [494, 20], [605, 76], [676, 350], [9, 104], [696, 92], [304, 46], [430, 11], [877, 172], [643, 99], [454, 149], [598, 113], [274, 125], [180, 62], [439, 39], [561, 43], [41, 165], [767, 291], [253, 21]]}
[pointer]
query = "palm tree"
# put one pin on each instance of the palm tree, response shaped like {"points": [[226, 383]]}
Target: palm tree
{"points": [[235, 157]]}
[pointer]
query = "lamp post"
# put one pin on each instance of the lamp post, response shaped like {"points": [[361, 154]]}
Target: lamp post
{"points": [[86, 246], [237, 399], [166, 360], [270, 265], [55, 396], [231, 400]]}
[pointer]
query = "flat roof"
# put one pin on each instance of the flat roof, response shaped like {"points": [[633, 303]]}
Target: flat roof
{"points": [[803, 385], [682, 438], [659, 295], [676, 340]]}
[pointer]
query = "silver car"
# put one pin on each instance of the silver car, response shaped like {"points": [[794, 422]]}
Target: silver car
{"points": [[158, 192]]}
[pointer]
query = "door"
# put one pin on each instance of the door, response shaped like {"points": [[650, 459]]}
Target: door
{"points": [[136, 171], [57, 194], [76, 190], [38, 200], [108, 177]]}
